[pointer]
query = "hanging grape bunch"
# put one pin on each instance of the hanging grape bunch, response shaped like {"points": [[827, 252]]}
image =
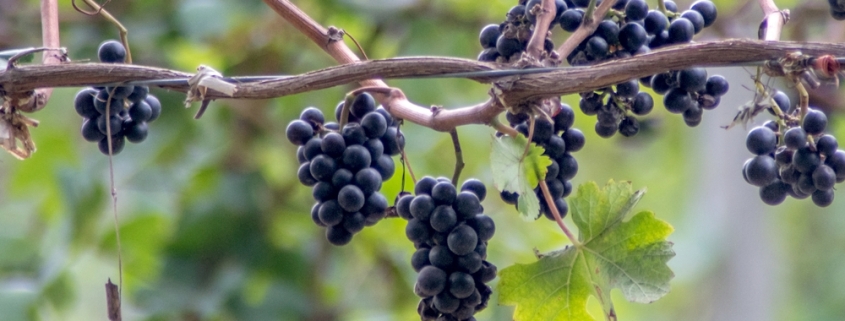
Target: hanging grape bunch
{"points": [[346, 166], [632, 30], [504, 42], [450, 232], [559, 140], [797, 159], [123, 111]]}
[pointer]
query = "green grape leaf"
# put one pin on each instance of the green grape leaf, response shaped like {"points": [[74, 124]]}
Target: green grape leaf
{"points": [[514, 173], [611, 253]]}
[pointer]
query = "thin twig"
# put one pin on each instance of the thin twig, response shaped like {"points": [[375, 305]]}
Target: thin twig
{"points": [[124, 33], [505, 129], [531, 123], [459, 156], [114, 192], [404, 157], [773, 20], [50, 39], [550, 202], [587, 27]]}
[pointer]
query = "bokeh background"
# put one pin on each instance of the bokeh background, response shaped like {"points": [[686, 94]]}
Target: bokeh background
{"points": [[215, 226]]}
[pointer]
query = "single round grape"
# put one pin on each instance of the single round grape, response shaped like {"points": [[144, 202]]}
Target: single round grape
{"points": [[354, 222], [375, 147], [462, 240], [663, 82], [487, 273], [446, 302], [509, 197], [655, 22], [140, 111], [368, 180], [681, 30], [337, 235], [814, 122], [489, 55], [774, 193], [568, 167], [118, 92], [315, 215], [424, 185], [299, 132], [827, 145], [797, 193], [90, 131], [117, 144], [632, 36], [304, 175], [362, 104], [761, 170], [554, 169], [837, 163], [375, 207], [636, 10], [629, 126], [312, 148], [313, 116], [385, 167], [443, 193], [481, 250], [403, 207], [642, 104], [443, 219], [677, 101], [693, 115], [461, 285], [696, 19], [608, 31], [716, 86], [114, 123], [508, 46], [489, 34], [333, 144], [338, 112], [422, 206], [84, 103], [441, 257], [356, 157], [824, 177], [692, 79], [805, 160], [483, 226], [393, 141], [139, 93], [155, 106], [420, 259], [761, 141], [470, 263], [707, 10], [466, 205], [374, 125], [135, 131], [590, 104], [659, 39], [823, 198], [670, 6], [300, 155], [564, 119], [574, 140], [543, 129], [709, 103], [606, 131], [103, 102], [555, 147], [351, 198], [782, 100], [111, 51], [795, 138], [418, 231], [567, 188], [628, 89], [805, 184], [530, 5], [323, 191], [353, 134], [476, 187], [570, 20], [597, 47], [323, 167]]}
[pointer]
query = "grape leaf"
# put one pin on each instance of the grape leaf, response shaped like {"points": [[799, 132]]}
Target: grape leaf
{"points": [[514, 173], [611, 253]]}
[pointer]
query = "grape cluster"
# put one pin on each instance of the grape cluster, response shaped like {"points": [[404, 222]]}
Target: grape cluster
{"points": [[634, 30], [799, 161], [506, 41], [837, 9], [450, 232], [124, 110], [346, 166], [559, 140]]}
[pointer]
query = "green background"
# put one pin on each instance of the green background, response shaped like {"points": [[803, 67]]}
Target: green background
{"points": [[214, 224]]}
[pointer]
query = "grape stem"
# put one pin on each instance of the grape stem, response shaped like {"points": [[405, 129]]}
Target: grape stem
{"points": [[541, 28], [531, 123], [344, 111], [114, 197], [773, 20], [459, 156], [124, 33], [405, 160], [505, 129], [592, 18], [49, 39], [552, 207]]}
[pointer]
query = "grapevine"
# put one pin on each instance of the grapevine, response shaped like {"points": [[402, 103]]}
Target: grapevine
{"points": [[622, 58]]}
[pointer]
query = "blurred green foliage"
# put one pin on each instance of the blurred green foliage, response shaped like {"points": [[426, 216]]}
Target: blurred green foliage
{"points": [[214, 224]]}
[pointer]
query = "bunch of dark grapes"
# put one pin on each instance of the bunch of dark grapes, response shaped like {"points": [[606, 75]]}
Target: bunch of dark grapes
{"points": [[635, 30], [837, 9], [346, 166], [450, 232], [799, 161], [124, 110], [559, 140], [506, 41]]}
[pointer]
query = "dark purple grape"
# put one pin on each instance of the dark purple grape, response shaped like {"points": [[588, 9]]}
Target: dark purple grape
{"points": [[476, 187], [140, 111], [716, 86], [632, 36], [692, 79], [707, 10], [805, 160], [313, 116], [508, 46], [629, 126], [564, 119], [112, 51], [374, 125], [628, 89], [461, 285], [590, 103], [368, 180], [462, 240], [681, 30], [663, 82], [418, 231], [323, 167], [356, 157], [362, 105], [467, 205], [489, 34], [782, 100], [824, 177], [138, 93], [155, 105], [570, 20], [693, 115], [823, 198], [827, 145], [774, 193], [84, 103], [117, 144], [814, 122], [642, 104], [422, 206], [443, 219], [353, 134], [696, 19], [597, 47], [761, 141], [403, 207], [677, 101], [108, 125], [420, 259], [655, 22], [337, 235], [761, 170], [424, 185], [90, 131], [837, 163], [608, 31], [299, 132], [636, 10], [323, 192], [385, 167], [135, 131]]}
